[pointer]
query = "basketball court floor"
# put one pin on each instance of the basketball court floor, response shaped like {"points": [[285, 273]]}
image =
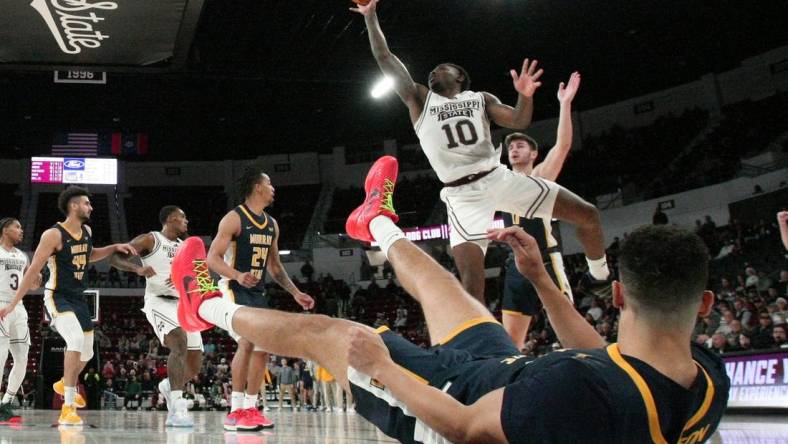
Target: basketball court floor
{"points": [[144, 427]]}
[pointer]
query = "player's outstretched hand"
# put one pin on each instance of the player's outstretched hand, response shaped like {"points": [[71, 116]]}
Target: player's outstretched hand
{"points": [[125, 249], [367, 9], [567, 93], [247, 280], [146, 271], [304, 300], [366, 351], [528, 80], [782, 221], [5, 311], [527, 257]]}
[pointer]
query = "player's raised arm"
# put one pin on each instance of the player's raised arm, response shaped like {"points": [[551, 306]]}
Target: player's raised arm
{"points": [[525, 84], [572, 329], [50, 241], [412, 93], [551, 167], [782, 220]]}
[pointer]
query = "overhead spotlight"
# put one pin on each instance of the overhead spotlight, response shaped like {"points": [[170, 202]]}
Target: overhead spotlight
{"points": [[383, 86]]}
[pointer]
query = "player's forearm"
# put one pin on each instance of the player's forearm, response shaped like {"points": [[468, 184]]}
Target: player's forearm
{"points": [[280, 276], [101, 253], [28, 279], [377, 41], [435, 408], [523, 112], [572, 329], [121, 263], [563, 140], [784, 234], [218, 265]]}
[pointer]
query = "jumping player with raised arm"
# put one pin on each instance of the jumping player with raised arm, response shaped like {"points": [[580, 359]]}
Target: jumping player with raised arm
{"points": [[245, 246], [473, 386], [156, 249], [67, 250], [520, 301], [453, 126]]}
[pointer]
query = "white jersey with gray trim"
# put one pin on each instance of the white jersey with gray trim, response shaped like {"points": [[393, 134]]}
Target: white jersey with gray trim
{"points": [[160, 259], [12, 267], [455, 135]]}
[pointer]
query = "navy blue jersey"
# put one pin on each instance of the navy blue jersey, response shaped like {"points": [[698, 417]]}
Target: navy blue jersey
{"points": [[601, 396], [67, 268], [540, 229], [249, 250]]}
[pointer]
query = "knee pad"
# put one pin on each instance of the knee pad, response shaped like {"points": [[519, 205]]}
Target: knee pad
{"points": [[69, 328], [86, 353]]}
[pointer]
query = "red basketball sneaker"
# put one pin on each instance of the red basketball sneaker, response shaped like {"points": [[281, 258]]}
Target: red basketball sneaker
{"points": [[194, 283], [379, 187]]}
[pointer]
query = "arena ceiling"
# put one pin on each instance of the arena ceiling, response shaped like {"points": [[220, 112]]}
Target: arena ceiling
{"points": [[259, 76]]}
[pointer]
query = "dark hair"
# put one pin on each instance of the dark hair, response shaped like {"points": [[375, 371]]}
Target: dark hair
{"points": [[466, 83], [69, 193], [6, 221], [251, 176], [521, 136], [664, 269], [165, 212]]}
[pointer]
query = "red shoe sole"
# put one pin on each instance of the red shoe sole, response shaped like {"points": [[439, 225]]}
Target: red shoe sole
{"points": [[190, 250]]}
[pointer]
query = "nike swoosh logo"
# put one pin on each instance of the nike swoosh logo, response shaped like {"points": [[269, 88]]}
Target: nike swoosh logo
{"points": [[249, 227]]}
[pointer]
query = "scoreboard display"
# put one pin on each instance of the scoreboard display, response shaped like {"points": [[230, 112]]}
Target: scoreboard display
{"points": [[77, 170]]}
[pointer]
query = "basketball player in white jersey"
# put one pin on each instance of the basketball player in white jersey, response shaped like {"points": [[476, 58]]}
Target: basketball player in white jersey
{"points": [[156, 250], [14, 333], [453, 125]]}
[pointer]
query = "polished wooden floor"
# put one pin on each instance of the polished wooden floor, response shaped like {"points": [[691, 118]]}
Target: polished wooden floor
{"points": [[117, 427]]}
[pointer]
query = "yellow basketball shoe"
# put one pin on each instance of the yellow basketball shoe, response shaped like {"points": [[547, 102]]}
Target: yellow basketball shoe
{"points": [[68, 416], [60, 389]]}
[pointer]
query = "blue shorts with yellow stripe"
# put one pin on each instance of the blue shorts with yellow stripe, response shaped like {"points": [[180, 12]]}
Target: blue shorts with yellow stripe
{"points": [[243, 296], [58, 304], [466, 365], [519, 295]]}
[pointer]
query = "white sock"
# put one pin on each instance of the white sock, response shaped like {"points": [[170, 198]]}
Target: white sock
{"points": [[250, 401], [385, 232], [175, 395], [219, 312], [237, 398], [598, 268], [70, 394]]}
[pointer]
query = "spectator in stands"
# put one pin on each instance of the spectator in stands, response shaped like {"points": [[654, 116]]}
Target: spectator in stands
{"points": [[108, 372], [93, 386], [147, 386], [287, 377], [764, 282], [762, 334], [779, 336], [718, 343], [782, 286], [307, 271], [595, 311], [659, 218], [782, 309], [726, 290], [752, 278], [223, 367], [725, 322], [402, 317], [133, 393], [734, 331], [381, 320], [745, 343]]}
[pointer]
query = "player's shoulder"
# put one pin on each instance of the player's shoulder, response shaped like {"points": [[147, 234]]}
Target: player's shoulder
{"points": [[709, 361]]}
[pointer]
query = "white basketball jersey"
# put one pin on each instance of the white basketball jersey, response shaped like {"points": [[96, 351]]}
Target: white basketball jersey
{"points": [[12, 267], [455, 135], [160, 259]]}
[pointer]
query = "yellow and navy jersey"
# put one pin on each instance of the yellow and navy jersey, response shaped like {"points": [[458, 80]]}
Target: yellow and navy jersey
{"points": [[248, 252], [601, 395], [67, 268], [540, 229]]}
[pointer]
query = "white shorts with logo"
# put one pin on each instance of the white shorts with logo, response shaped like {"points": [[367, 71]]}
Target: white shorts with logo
{"points": [[14, 326], [471, 208], [162, 314]]}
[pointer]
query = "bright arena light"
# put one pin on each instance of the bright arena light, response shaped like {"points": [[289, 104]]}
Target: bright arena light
{"points": [[381, 88]]}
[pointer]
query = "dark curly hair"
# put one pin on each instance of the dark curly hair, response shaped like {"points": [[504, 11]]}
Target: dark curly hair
{"points": [[664, 269], [251, 176], [165, 212], [69, 193]]}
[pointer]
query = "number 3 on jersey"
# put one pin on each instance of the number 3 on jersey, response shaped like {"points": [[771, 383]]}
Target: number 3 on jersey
{"points": [[464, 131]]}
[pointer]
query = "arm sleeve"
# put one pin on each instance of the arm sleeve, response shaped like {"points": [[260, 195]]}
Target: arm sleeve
{"points": [[563, 402]]}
